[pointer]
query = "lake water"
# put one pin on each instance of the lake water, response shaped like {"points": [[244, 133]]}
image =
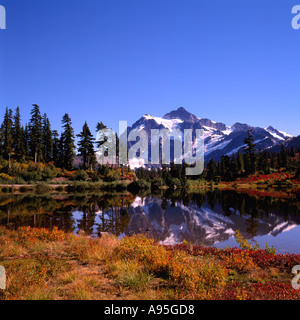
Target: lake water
{"points": [[209, 219]]}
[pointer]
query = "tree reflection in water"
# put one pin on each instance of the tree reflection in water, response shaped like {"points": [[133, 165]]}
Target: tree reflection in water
{"points": [[203, 217]]}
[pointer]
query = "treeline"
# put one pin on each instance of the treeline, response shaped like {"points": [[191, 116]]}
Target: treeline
{"points": [[252, 161], [229, 168], [36, 141]]}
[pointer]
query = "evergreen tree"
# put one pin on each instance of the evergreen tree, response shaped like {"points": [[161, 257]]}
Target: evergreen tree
{"points": [[211, 170], [17, 136], [1, 139], [67, 143], [47, 140], [226, 172], [8, 135], [283, 157], [234, 167], [86, 147], [56, 148], [25, 141], [293, 152], [264, 165], [250, 153], [36, 134]]}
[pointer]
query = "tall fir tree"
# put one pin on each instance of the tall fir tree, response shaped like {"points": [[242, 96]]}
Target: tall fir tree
{"points": [[250, 153], [36, 134], [56, 148], [283, 157], [86, 147], [264, 164], [25, 141], [211, 170], [17, 136], [67, 143], [47, 140], [234, 167], [8, 135]]}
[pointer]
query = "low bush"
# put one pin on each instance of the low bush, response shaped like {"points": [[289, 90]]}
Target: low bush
{"points": [[32, 235], [80, 175], [177, 266]]}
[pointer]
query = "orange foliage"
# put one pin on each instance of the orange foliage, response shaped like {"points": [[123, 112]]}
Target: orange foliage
{"points": [[34, 234]]}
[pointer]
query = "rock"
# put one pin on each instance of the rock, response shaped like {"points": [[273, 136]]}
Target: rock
{"points": [[81, 233], [103, 234]]}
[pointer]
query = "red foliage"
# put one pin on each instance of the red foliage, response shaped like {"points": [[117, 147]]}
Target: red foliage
{"points": [[272, 290]]}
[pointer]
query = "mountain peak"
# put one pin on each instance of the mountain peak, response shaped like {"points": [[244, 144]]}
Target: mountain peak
{"points": [[241, 127], [181, 113]]}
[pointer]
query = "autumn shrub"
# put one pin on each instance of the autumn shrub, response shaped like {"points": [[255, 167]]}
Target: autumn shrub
{"points": [[5, 178], [9, 247], [177, 267], [93, 250], [239, 260], [153, 256], [25, 278], [32, 235], [212, 275]]}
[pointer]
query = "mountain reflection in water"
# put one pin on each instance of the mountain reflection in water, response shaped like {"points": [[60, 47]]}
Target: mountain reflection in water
{"points": [[210, 218]]}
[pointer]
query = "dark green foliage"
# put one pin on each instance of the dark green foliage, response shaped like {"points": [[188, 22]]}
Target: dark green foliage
{"points": [[7, 135], [111, 176], [67, 146], [18, 136], [36, 134], [86, 147], [211, 170], [47, 140], [283, 157], [80, 175], [156, 184], [250, 153], [56, 148]]}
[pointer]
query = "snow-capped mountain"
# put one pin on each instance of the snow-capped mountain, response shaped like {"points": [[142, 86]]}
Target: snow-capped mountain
{"points": [[220, 139]]}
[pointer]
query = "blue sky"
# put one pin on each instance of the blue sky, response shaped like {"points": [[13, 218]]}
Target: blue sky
{"points": [[111, 60]]}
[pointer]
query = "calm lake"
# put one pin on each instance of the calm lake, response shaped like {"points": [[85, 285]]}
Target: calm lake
{"points": [[208, 218]]}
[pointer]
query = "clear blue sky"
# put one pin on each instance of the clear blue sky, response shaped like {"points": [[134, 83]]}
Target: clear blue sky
{"points": [[111, 60]]}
